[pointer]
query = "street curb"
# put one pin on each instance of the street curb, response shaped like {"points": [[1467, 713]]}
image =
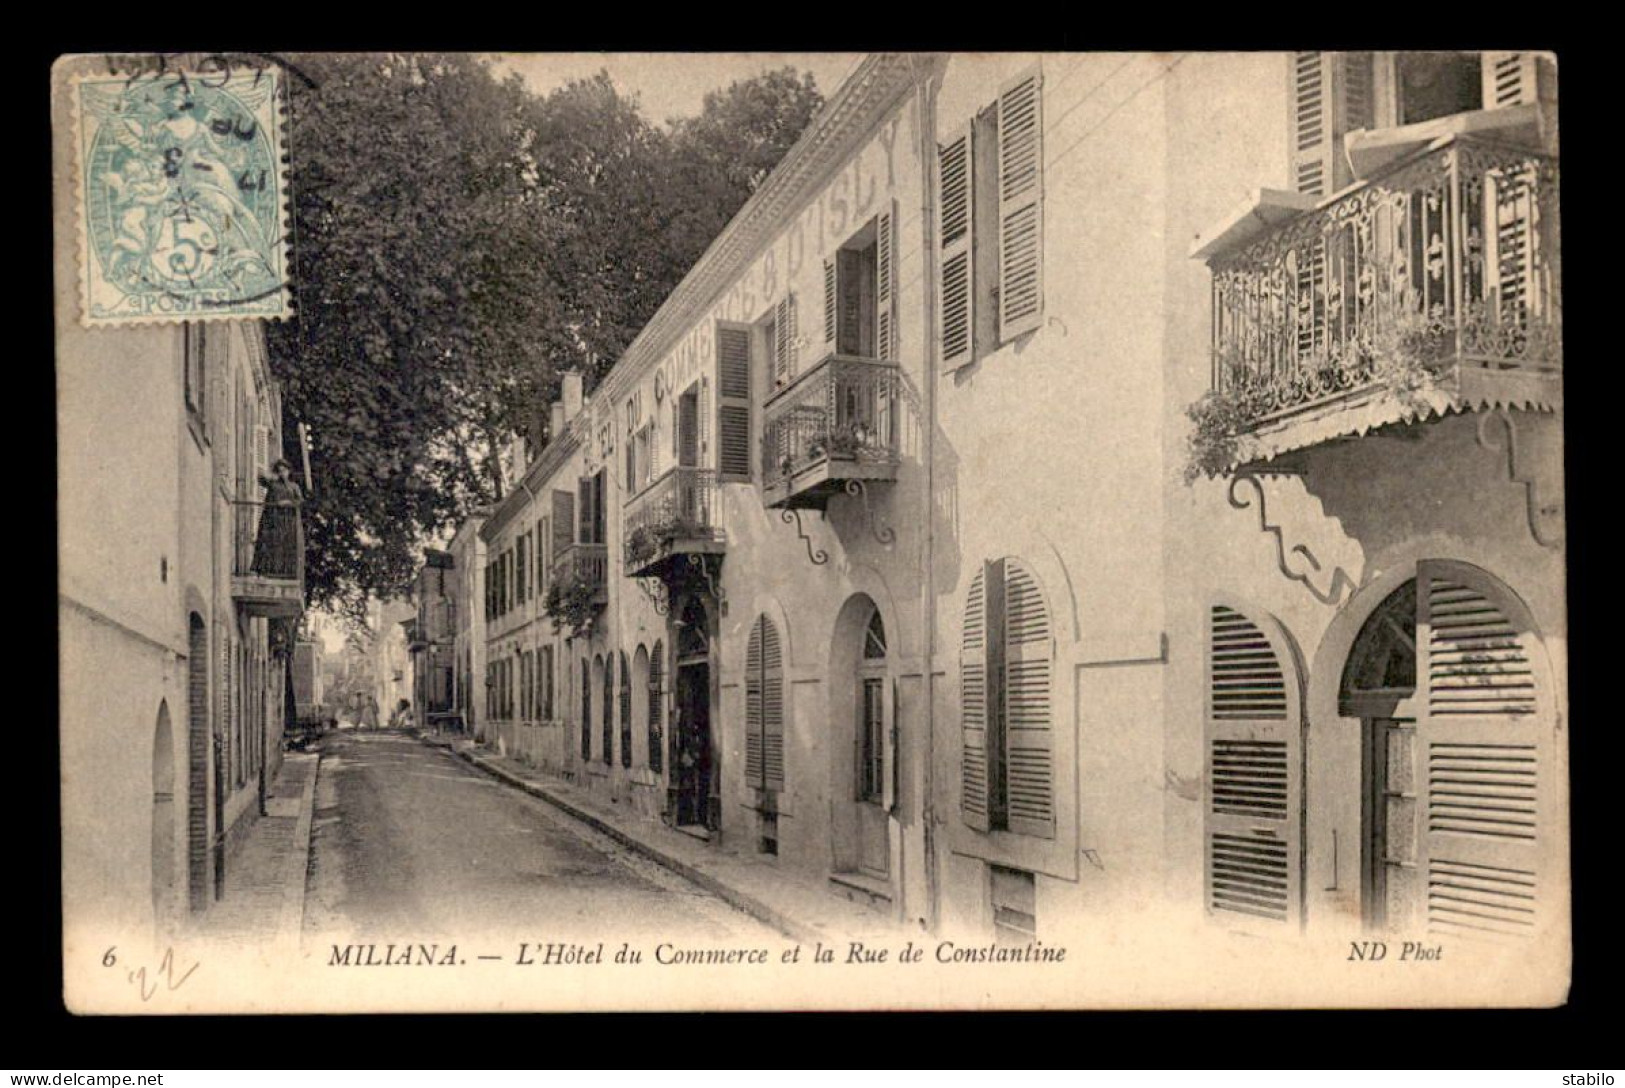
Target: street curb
{"points": [[729, 894], [291, 920]]}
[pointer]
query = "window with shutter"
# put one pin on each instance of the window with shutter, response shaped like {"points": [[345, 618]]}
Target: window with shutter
{"points": [[547, 683], [1515, 79], [973, 706], [831, 296], [1254, 776], [764, 707], [885, 283], [1332, 94], [956, 313], [1029, 755], [734, 402], [541, 556], [1021, 206], [1007, 655], [586, 493], [1486, 749], [564, 520]]}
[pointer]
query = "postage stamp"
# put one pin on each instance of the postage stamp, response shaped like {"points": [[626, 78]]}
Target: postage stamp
{"points": [[181, 182]]}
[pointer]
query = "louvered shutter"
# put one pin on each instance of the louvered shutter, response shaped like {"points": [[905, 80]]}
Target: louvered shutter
{"points": [[564, 519], [1021, 206], [586, 710], [733, 403], [772, 707], [1511, 79], [956, 316], [781, 341], [973, 706], [792, 345], [657, 672], [1486, 750], [626, 713], [886, 283], [609, 709], [599, 513], [753, 705], [1332, 94], [831, 298], [584, 509], [1029, 656], [1254, 855]]}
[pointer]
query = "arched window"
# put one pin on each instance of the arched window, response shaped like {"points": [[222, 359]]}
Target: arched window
{"points": [[1006, 654], [764, 707], [626, 713], [1254, 739], [657, 676], [197, 763]]}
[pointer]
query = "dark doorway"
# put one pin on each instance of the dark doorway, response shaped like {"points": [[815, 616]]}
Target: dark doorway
{"points": [[693, 778]]}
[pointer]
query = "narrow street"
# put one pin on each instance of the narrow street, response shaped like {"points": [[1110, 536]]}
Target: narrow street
{"points": [[410, 844]]}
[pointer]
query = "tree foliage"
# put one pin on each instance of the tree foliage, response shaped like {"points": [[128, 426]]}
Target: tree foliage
{"points": [[460, 242]]}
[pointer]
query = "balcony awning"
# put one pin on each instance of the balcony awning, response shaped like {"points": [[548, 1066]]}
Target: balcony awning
{"points": [[1261, 212], [1364, 412], [1370, 152]]}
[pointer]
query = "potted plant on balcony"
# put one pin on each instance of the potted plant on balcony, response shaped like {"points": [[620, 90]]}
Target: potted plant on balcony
{"points": [[1221, 417], [1415, 353], [641, 546], [570, 605]]}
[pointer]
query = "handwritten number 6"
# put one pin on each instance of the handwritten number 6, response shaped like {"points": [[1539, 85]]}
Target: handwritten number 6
{"points": [[108, 959]]}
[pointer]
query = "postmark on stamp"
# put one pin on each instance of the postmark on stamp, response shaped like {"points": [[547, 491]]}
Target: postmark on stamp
{"points": [[181, 182]]}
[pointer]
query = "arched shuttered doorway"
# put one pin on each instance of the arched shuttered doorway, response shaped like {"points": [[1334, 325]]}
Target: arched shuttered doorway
{"points": [[1446, 680], [861, 753], [197, 763], [163, 821]]}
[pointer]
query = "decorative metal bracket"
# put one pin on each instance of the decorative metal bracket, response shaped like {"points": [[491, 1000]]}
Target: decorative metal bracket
{"points": [[885, 534], [1340, 579], [655, 590], [702, 564], [817, 556], [1533, 510]]}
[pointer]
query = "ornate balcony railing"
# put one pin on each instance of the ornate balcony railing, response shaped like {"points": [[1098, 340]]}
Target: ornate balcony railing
{"points": [[1442, 270], [268, 558], [586, 565], [837, 421], [680, 513]]}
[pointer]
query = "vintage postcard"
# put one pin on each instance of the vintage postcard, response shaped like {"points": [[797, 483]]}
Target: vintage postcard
{"points": [[811, 531]]}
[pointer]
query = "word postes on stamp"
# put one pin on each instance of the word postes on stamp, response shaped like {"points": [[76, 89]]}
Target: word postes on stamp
{"points": [[180, 184]]}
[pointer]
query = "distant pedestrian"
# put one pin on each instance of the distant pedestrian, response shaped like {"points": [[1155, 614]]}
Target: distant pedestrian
{"points": [[277, 545]]}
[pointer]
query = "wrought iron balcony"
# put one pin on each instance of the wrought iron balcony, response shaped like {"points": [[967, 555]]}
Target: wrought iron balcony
{"points": [[1431, 286], [268, 559], [836, 422], [586, 565], [678, 515]]}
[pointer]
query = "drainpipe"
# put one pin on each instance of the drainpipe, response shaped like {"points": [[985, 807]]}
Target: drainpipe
{"points": [[926, 86]]}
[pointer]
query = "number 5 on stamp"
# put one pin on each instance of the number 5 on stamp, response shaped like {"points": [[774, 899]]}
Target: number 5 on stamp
{"points": [[181, 195]]}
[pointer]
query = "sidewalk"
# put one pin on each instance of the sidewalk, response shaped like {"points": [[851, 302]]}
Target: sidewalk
{"points": [[264, 900], [797, 906]]}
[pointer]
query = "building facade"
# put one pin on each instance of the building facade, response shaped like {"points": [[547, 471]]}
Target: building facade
{"points": [[962, 535], [432, 644], [177, 616]]}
